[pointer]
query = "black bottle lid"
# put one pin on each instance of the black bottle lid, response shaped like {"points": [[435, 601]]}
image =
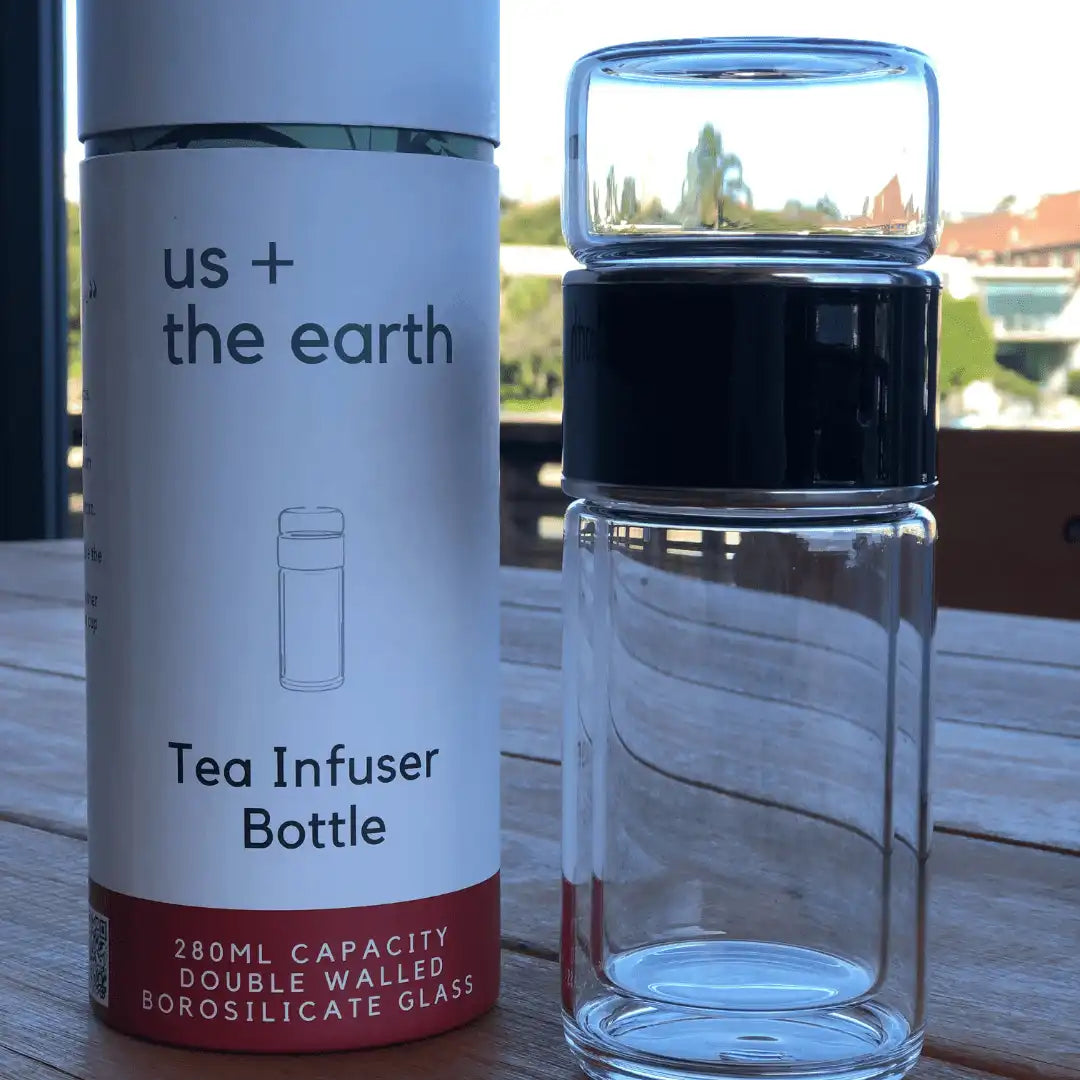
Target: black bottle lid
{"points": [[754, 378]]}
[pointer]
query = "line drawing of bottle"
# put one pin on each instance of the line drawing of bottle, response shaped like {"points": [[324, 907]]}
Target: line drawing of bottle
{"points": [[311, 598]]}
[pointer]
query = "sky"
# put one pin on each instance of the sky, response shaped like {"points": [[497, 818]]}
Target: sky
{"points": [[1007, 82]]}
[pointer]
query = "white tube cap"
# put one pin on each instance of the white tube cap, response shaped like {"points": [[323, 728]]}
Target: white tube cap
{"points": [[427, 64]]}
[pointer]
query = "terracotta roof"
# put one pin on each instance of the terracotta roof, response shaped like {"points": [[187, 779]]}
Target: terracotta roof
{"points": [[888, 204], [1054, 223], [886, 208]]}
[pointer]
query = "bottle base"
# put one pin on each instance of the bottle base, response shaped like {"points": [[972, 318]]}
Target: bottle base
{"points": [[620, 1038], [314, 686]]}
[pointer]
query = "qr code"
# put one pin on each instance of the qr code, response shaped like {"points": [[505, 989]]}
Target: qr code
{"points": [[99, 958]]}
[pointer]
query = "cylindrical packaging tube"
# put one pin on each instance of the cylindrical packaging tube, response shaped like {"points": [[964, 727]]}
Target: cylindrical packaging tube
{"points": [[290, 245]]}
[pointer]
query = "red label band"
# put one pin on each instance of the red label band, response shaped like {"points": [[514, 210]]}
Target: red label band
{"points": [[294, 981]]}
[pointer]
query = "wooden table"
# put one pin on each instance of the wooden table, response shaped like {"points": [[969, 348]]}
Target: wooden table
{"points": [[1005, 932]]}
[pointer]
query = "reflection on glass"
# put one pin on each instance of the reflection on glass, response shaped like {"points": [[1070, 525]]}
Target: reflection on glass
{"points": [[753, 141]]}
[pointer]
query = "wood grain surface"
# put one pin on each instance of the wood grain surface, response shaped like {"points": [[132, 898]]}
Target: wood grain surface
{"points": [[46, 1031], [43, 1012], [1005, 899]]}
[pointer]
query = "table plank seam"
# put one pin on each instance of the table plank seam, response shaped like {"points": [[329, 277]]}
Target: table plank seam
{"points": [[538, 664], [525, 605], [536, 759], [994, 838], [753, 800], [997, 726], [958, 654], [743, 632], [11, 665], [950, 1054], [38, 1061], [74, 552], [1055, 664], [30, 821], [750, 695], [41, 598], [947, 830], [44, 825], [40, 824], [520, 947]]}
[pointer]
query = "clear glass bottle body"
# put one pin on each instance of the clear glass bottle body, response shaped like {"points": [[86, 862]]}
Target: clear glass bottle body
{"points": [[746, 817]]}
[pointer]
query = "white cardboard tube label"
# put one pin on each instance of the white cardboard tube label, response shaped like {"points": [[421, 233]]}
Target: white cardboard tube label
{"points": [[307, 337]]}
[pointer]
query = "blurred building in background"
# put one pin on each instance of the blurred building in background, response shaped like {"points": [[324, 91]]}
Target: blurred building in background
{"points": [[1046, 235], [1024, 269]]}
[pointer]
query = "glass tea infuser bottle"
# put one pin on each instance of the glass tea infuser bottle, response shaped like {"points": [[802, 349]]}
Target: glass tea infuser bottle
{"points": [[750, 402]]}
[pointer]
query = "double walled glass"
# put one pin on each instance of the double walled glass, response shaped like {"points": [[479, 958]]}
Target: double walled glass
{"points": [[746, 787]]}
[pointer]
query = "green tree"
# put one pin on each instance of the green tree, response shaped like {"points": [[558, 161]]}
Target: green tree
{"points": [[827, 208], [654, 212], [713, 176], [611, 197], [966, 349], [629, 208], [532, 223], [531, 338], [74, 284], [967, 352], [1012, 382]]}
